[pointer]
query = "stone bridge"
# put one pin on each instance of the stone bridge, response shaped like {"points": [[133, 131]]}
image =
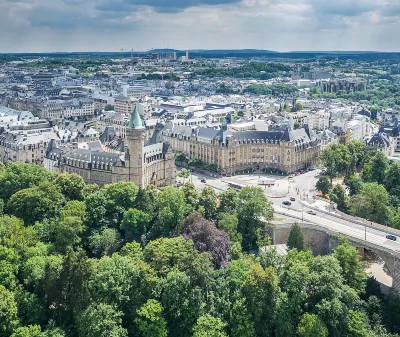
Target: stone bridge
{"points": [[322, 241]]}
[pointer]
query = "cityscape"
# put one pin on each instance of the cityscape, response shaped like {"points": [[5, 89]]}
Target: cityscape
{"points": [[243, 183]]}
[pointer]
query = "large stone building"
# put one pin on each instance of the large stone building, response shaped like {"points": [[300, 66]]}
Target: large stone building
{"points": [[285, 149], [151, 164]]}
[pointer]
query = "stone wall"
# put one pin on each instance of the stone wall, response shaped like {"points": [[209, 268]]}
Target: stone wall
{"points": [[318, 241]]}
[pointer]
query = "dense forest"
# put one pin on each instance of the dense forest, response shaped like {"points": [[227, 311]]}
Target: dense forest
{"points": [[77, 260], [372, 182], [254, 70]]}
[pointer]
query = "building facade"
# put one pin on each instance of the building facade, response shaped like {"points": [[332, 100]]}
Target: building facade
{"points": [[152, 164], [285, 150]]}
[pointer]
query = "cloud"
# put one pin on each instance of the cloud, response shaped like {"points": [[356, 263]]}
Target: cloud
{"points": [[109, 25]]}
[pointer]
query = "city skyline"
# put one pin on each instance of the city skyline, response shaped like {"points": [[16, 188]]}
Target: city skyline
{"points": [[280, 25]]}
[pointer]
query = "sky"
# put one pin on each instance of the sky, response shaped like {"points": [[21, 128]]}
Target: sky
{"points": [[280, 25]]}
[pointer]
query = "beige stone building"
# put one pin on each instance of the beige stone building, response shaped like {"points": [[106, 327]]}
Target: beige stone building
{"points": [[285, 149], [151, 164]]}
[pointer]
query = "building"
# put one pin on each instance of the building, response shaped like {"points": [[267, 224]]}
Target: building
{"points": [[285, 150], [26, 142], [123, 105], [382, 142], [151, 164], [347, 85]]}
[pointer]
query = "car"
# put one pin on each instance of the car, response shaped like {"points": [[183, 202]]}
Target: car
{"points": [[292, 199], [302, 172], [203, 181], [286, 203], [391, 237], [297, 173], [311, 212]]}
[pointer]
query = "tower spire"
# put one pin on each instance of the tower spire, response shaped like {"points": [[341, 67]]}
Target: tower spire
{"points": [[135, 121]]}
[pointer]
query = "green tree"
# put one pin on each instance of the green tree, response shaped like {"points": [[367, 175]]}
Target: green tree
{"points": [[108, 107], [352, 268], [261, 291], [357, 150], [105, 242], [229, 224], [392, 179], [297, 125], [228, 201], [192, 195], [36, 203], [29, 331], [311, 326], [184, 174], [375, 169], [172, 209], [19, 176], [370, 203], [374, 112], [335, 159], [298, 106], [240, 321], [150, 321], [253, 210], [8, 312], [208, 199], [357, 324], [163, 254], [296, 238], [72, 186], [354, 184], [100, 320], [338, 196], [135, 224], [209, 326], [323, 185]]}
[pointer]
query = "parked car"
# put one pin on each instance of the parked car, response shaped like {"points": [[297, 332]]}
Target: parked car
{"points": [[292, 199], [391, 237], [203, 181], [302, 172], [297, 173], [311, 212], [286, 203]]}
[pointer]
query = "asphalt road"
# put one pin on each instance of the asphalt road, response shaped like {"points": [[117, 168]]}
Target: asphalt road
{"points": [[305, 184]]}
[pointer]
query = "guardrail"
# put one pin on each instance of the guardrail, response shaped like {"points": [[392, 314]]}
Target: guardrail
{"points": [[359, 221], [361, 242]]}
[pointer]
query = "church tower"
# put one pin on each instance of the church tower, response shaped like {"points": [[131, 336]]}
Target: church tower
{"points": [[134, 156]]}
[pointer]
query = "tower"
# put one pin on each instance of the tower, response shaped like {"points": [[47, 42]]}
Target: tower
{"points": [[134, 156]]}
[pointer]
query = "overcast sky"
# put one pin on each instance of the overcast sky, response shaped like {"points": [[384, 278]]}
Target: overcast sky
{"points": [[282, 25]]}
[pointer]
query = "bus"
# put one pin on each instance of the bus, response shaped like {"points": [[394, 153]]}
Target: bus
{"points": [[235, 186], [266, 181]]}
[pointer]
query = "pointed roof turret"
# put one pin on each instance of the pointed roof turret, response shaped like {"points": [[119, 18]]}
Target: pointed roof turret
{"points": [[135, 121]]}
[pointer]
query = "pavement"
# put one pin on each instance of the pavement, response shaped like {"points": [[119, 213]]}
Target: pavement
{"points": [[296, 187]]}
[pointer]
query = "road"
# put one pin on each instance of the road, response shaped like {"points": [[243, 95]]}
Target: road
{"points": [[305, 184]]}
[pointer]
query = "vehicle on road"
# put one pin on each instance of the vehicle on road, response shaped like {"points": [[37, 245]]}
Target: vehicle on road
{"points": [[266, 181], [391, 237], [286, 203], [302, 172], [311, 212], [292, 199], [203, 181], [236, 187], [297, 173]]}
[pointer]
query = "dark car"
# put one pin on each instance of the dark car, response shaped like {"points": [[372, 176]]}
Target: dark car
{"points": [[203, 181], [292, 199], [311, 212], [286, 203], [391, 237]]}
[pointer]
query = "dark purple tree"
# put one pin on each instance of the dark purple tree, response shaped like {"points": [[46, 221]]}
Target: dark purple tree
{"points": [[207, 238]]}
